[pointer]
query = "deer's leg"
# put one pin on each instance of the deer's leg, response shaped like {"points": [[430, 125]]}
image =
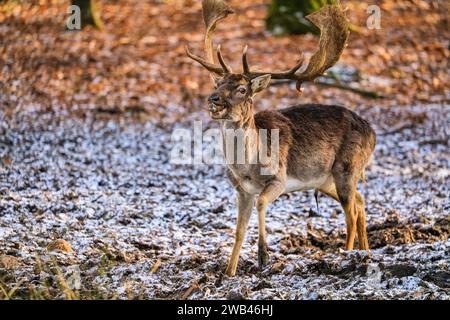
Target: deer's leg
{"points": [[245, 206], [329, 188], [271, 192], [348, 204], [363, 244], [345, 182]]}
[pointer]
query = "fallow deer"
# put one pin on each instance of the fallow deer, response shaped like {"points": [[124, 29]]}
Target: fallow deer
{"points": [[321, 147]]}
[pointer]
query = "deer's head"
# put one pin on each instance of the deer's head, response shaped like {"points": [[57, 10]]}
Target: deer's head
{"points": [[233, 92], [232, 96]]}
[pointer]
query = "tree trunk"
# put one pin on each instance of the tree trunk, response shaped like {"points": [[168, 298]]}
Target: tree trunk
{"points": [[288, 16], [89, 14]]}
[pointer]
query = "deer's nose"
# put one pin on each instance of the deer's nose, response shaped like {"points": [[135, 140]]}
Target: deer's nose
{"points": [[214, 98]]}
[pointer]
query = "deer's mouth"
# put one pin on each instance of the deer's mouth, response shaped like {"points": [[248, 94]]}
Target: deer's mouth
{"points": [[217, 111]]}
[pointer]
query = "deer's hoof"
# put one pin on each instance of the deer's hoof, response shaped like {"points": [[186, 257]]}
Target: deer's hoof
{"points": [[230, 272], [263, 257]]}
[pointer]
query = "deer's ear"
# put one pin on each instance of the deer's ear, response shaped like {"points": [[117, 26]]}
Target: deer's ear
{"points": [[260, 83]]}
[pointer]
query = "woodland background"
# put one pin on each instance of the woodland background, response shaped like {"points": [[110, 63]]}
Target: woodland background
{"points": [[92, 208], [138, 62]]}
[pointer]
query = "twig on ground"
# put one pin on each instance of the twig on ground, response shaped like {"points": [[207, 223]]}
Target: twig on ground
{"points": [[188, 292], [434, 142], [400, 127], [156, 266]]}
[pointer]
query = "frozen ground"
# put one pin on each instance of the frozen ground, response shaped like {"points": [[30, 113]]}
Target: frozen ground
{"points": [[137, 226]]}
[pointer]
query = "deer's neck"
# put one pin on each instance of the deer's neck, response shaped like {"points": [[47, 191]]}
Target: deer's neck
{"points": [[244, 129], [247, 121]]}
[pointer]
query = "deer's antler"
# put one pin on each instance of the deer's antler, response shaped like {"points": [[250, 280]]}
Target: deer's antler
{"points": [[213, 11], [331, 21], [333, 25]]}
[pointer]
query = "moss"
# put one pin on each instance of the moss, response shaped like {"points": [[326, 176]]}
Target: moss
{"points": [[288, 16], [89, 14]]}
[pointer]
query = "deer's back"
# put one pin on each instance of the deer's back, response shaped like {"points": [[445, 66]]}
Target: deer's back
{"points": [[318, 135]]}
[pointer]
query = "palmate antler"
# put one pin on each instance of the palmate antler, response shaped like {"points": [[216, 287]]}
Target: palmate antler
{"points": [[213, 11], [331, 21], [333, 25]]}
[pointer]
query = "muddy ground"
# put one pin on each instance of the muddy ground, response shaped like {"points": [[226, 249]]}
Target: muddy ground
{"points": [[92, 208]]}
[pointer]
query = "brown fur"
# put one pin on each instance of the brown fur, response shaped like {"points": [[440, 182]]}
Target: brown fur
{"points": [[320, 147], [324, 148]]}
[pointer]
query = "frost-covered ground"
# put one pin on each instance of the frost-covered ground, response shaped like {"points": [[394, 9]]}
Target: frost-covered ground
{"points": [[137, 226]]}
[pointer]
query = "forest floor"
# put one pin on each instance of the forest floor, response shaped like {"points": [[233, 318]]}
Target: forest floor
{"points": [[92, 207], [95, 208]]}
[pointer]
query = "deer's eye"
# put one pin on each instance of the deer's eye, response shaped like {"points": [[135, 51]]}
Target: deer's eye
{"points": [[242, 90]]}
